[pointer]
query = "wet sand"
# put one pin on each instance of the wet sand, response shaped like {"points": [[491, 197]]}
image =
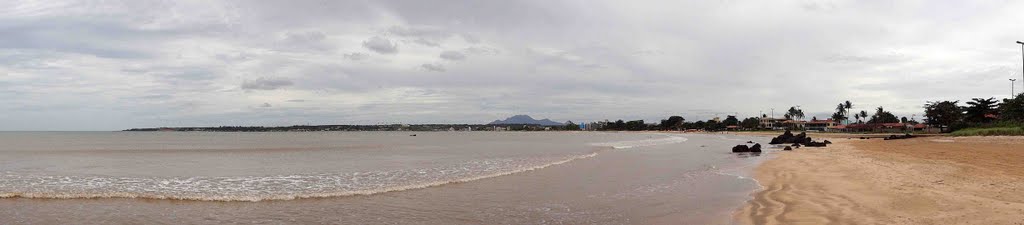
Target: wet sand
{"points": [[929, 180]]}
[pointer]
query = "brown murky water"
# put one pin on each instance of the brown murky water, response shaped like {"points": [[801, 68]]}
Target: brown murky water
{"points": [[371, 178]]}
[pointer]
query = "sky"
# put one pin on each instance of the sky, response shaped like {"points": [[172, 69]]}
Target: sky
{"points": [[112, 65]]}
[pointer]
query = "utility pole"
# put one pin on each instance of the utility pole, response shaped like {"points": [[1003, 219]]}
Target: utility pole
{"points": [[1022, 60], [1011, 87]]}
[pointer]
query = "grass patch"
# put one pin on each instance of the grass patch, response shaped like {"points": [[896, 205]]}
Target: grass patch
{"points": [[991, 131]]}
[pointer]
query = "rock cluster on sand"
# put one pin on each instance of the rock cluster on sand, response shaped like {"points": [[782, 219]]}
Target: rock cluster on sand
{"points": [[744, 148], [904, 136], [797, 140]]}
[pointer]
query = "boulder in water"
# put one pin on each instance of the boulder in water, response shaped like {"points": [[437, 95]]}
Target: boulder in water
{"points": [[740, 148], [787, 148], [815, 144], [755, 148]]}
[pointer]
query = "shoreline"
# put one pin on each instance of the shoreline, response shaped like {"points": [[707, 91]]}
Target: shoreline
{"points": [[926, 180]]}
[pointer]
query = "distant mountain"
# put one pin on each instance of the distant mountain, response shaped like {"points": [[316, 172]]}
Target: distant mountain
{"points": [[524, 119]]}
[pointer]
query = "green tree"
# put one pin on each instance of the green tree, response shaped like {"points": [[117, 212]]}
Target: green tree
{"points": [[571, 126], [636, 125], [978, 108], [731, 121], [944, 114], [712, 125], [863, 115], [838, 117], [794, 113], [700, 125], [882, 116], [618, 125], [672, 123], [848, 106], [1012, 109], [750, 123]]}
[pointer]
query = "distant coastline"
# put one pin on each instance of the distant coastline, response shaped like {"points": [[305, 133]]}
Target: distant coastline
{"points": [[391, 127]]}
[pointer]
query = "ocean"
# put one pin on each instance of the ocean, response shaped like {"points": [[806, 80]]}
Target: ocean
{"points": [[372, 177]]}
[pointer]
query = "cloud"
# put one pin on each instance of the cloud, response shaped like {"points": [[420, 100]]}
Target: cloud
{"points": [[190, 63], [381, 45], [479, 50], [265, 84], [453, 55], [356, 56], [434, 67], [425, 42]]}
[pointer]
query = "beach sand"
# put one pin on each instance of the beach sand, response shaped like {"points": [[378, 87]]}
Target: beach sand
{"points": [[929, 180]]}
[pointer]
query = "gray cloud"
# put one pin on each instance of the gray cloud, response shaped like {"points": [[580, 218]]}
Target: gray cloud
{"points": [[265, 84], [165, 63], [453, 55], [434, 67], [356, 56], [381, 45]]}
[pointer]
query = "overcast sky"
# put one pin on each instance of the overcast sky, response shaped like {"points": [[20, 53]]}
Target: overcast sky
{"points": [[110, 65]]}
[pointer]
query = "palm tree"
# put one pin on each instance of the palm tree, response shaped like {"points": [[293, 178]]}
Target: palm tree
{"points": [[794, 113], [863, 114], [857, 116], [847, 105]]}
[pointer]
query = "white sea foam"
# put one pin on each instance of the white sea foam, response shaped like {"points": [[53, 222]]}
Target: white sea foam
{"points": [[260, 188], [668, 139], [284, 187]]}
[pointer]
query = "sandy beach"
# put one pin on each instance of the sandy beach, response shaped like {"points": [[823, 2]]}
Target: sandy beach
{"points": [[928, 180]]}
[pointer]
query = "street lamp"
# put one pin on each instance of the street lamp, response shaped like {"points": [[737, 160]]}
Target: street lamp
{"points": [[1011, 87], [1021, 59]]}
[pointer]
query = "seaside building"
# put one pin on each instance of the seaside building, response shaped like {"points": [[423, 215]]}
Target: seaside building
{"points": [[819, 125], [772, 123]]}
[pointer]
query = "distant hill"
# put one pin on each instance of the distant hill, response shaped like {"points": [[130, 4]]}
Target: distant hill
{"points": [[524, 119]]}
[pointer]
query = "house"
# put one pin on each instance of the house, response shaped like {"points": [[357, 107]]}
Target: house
{"points": [[819, 125], [771, 123]]}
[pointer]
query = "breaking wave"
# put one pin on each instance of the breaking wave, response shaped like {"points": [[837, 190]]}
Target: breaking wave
{"points": [[283, 187], [261, 188], [668, 139]]}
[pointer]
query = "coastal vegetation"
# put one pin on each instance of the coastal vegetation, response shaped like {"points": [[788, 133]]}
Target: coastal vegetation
{"points": [[979, 117]]}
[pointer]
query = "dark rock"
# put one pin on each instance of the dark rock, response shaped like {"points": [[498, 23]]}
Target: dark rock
{"points": [[795, 144], [750, 142], [895, 137], [787, 148], [755, 148], [740, 148], [816, 144], [827, 142]]}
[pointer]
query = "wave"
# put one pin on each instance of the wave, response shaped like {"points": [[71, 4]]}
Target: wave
{"points": [[255, 189], [669, 139], [285, 187]]}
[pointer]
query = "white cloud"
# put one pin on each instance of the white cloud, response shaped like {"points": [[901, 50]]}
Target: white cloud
{"points": [[167, 63], [453, 55], [433, 67], [265, 84], [381, 45]]}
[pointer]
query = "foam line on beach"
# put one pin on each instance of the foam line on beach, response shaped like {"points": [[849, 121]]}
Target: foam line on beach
{"points": [[201, 188], [668, 139]]}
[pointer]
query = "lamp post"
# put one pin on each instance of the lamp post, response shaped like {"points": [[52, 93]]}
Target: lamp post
{"points": [[1021, 59], [1011, 87]]}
